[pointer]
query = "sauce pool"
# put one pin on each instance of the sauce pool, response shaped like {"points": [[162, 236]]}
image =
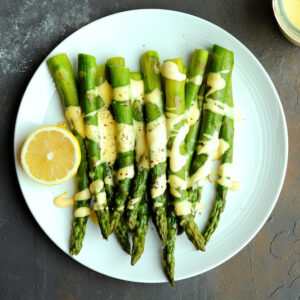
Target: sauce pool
{"points": [[292, 10]]}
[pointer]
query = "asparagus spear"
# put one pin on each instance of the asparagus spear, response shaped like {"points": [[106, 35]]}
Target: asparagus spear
{"points": [[195, 195], [193, 111], [108, 145], [193, 105], [224, 182], [141, 149], [139, 234], [107, 129], [64, 78], [90, 105], [157, 138], [213, 110], [120, 79], [177, 130]]}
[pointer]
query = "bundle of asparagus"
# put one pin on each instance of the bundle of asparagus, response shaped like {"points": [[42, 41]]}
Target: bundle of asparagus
{"points": [[147, 146]]}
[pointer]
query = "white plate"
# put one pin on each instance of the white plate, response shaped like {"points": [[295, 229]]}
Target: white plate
{"points": [[260, 150]]}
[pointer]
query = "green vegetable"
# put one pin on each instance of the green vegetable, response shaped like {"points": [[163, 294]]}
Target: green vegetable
{"points": [[177, 130], [122, 231], [108, 175], [64, 78], [226, 133], [141, 150], [213, 111], [192, 106], [90, 105], [120, 80], [156, 137]]}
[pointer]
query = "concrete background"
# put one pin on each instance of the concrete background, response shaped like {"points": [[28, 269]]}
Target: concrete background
{"points": [[32, 267]]}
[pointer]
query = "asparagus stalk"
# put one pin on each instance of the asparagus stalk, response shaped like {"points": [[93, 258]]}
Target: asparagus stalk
{"points": [[213, 110], [224, 182], [141, 149], [107, 129], [172, 71], [195, 195], [169, 248], [64, 78], [90, 105], [120, 79], [192, 106], [157, 139], [140, 231], [108, 145]]}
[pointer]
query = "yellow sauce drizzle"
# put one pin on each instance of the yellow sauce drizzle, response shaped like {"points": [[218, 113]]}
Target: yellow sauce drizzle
{"points": [[107, 125], [170, 70], [159, 186], [75, 119], [104, 90], [93, 217], [157, 134], [81, 212], [61, 200], [216, 83], [177, 160], [176, 183], [92, 133], [193, 114], [222, 148], [122, 93], [126, 137], [154, 97], [63, 124], [183, 208]]}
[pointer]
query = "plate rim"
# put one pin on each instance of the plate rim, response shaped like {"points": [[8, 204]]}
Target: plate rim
{"points": [[285, 136]]}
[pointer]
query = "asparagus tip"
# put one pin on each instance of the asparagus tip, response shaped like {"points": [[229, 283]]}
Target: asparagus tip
{"points": [[134, 259], [114, 222]]}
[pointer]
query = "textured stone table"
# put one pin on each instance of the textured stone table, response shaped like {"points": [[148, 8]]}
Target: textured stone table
{"points": [[32, 267]]}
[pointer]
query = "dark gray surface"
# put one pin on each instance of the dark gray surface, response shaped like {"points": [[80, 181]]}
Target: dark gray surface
{"points": [[32, 267]]}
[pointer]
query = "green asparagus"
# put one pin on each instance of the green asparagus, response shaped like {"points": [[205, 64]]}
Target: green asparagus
{"points": [[107, 130], [64, 78], [193, 105], [193, 111], [157, 139], [141, 149], [120, 80], [224, 182], [213, 110], [174, 79], [90, 104], [195, 195], [108, 145]]}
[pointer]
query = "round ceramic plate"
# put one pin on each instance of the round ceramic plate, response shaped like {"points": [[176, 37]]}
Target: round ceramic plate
{"points": [[260, 145]]}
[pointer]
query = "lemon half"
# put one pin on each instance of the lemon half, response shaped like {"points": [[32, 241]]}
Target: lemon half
{"points": [[50, 155]]}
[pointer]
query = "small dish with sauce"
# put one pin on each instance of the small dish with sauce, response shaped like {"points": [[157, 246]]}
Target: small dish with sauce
{"points": [[287, 14]]}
